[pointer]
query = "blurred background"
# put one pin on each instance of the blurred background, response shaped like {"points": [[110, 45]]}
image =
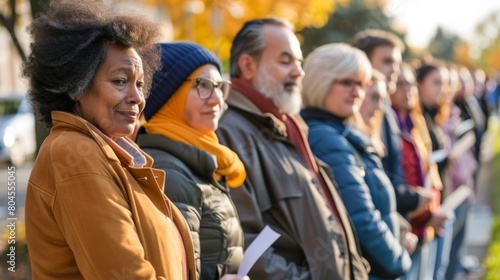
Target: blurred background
{"points": [[460, 31]]}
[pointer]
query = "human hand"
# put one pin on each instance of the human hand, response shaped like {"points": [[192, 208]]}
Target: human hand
{"points": [[234, 277], [425, 197], [451, 161], [438, 221], [409, 242]]}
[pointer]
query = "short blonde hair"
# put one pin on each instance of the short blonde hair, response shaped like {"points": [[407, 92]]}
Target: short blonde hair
{"points": [[328, 63]]}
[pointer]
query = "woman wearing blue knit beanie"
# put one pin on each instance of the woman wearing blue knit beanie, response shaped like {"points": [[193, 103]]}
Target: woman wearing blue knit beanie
{"points": [[182, 114]]}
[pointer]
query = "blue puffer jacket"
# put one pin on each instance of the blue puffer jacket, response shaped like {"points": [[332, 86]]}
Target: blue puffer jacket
{"points": [[365, 189]]}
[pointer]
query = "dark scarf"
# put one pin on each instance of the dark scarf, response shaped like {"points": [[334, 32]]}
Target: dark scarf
{"points": [[313, 113]]}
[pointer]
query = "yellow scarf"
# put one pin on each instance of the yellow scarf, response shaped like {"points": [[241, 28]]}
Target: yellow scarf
{"points": [[170, 122]]}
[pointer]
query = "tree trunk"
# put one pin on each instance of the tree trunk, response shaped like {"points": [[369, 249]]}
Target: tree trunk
{"points": [[9, 23]]}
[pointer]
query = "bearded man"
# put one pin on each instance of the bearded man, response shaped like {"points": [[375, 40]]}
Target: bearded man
{"points": [[286, 187]]}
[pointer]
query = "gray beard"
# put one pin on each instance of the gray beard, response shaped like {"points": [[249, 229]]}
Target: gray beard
{"points": [[290, 102]]}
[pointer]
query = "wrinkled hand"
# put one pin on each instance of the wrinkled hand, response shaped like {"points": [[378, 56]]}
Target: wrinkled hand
{"points": [[425, 197], [438, 221], [234, 277], [409, 242]]}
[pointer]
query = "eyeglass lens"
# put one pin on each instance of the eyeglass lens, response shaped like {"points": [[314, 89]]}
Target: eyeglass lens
{"points": [[206, 88]]}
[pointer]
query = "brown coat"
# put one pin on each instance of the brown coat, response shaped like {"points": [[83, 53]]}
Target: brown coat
{"points": [[90, 215], [281, 191]]}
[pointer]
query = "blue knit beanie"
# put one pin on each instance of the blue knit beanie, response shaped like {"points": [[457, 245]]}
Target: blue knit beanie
{"points": [[178, 61]]}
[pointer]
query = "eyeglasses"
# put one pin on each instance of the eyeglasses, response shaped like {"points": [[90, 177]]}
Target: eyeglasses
{"points": [[205, 87], [350, 83]]}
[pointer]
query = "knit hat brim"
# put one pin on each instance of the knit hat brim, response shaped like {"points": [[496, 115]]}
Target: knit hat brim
{"points": [[178, 61]]}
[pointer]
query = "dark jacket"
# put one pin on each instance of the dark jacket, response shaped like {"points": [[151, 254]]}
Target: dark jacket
{"points": [[281, 191], [365, 189], [205, 203], [471, 109], [439, 139]]}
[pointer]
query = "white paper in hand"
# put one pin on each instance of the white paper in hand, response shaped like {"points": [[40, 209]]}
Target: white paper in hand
{"points": [[463, 144], [428, 181], [454, 199], [259, 245], [438, 156]]}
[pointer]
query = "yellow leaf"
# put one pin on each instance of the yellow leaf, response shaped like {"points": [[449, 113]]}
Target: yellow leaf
{"points": [[214, 23]]}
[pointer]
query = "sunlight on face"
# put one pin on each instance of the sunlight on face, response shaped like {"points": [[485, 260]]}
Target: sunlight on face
{"points": [[344, 98], [115, 99], [280, 73], [386, 59], [287, 98], [373, 101], [431, 89], [203, 115]]}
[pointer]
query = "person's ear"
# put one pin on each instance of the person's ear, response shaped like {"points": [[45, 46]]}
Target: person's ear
{"points": [[248, 67]]}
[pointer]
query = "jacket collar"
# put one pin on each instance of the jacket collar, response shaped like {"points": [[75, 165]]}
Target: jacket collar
{"points": [[201, 162], [240, 102], [123, 150], [357, 139], [310, 113]]}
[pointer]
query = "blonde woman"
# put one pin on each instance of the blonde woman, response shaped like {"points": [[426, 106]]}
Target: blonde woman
{"points": [[337, 77]]}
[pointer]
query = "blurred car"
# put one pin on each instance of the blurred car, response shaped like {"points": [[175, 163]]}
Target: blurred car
{"points": [[17, 130]]}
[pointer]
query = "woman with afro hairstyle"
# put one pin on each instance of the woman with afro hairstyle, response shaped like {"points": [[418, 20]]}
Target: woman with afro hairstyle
{"points": [[95, 208]]}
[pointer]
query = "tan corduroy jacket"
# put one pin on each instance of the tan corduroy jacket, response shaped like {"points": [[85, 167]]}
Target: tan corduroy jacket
{"points": [[91, 215]]}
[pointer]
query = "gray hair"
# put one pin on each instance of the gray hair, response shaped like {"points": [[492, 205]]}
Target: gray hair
{"points": [[250, 40], [326, 64], [70, 44]]}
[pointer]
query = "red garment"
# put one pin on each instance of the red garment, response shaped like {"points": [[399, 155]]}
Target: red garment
{"points": [[411, 165]]}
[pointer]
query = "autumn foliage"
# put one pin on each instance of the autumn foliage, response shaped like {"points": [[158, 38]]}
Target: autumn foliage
{"points": [[213, 23]]}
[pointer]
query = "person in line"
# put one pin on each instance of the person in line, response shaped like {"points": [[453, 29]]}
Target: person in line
{"points": [[332, 93], [436, 84], [369, 121], [417, 171], [94, 205], [286, 188], [384, 52], [470, 108], [479, 78], [182, 113], [464, 109]]}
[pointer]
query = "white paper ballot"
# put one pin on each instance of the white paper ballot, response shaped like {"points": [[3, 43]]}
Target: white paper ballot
{"points": [[428, 181], [455, 198], [463, 127], [438, 156], [463, 144], [259, 245]]}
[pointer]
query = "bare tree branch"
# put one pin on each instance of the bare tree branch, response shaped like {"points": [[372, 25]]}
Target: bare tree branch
{"points": [[9, 24]]}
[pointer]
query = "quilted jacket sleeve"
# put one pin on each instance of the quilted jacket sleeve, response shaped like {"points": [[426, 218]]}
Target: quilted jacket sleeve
{"points": [[380, 247]]}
